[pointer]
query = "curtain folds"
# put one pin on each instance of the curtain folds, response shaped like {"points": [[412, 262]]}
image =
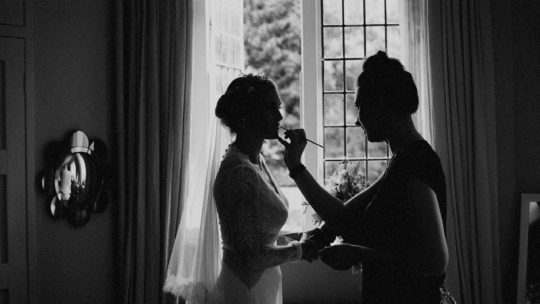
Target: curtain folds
{"points": [[416, 59], [195, 261], [464, 137], [153, 62]]}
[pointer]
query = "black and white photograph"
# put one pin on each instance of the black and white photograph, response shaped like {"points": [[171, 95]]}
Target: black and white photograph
{"points": [[269, 152]]}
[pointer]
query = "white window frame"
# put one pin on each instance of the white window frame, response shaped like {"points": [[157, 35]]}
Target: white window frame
{"points": [[311, 99], [311, 93], [311, 80]]}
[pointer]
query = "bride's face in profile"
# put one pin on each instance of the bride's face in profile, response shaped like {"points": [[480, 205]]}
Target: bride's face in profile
{"points": [[265, 122]]}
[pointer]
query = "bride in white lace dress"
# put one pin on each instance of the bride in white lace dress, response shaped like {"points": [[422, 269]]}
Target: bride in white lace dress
{"points": [[251, 207]]}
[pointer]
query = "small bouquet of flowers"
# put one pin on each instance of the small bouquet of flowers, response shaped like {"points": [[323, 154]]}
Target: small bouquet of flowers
{"points": [[344, 183]]}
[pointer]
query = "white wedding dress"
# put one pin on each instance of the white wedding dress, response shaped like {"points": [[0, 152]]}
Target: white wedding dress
{"points": [[251, 210]]}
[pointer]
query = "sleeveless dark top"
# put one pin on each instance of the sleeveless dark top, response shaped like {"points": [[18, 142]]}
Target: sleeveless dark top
{"points": [[388, 225]]}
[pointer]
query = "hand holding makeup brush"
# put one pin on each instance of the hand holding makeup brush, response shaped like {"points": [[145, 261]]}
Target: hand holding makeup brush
{"points": [[309, 140], [294, 148]]}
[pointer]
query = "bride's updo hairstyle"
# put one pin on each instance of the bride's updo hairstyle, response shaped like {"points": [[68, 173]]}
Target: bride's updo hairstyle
{"points": [[244, 97], [384, 81]]}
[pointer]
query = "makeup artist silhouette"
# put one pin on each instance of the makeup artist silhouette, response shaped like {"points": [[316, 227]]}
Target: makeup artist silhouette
{"points": [[396, 227]]}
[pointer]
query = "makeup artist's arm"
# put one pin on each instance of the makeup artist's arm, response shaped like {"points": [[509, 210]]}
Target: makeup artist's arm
{"points": [[426, 254], [331, 209]]}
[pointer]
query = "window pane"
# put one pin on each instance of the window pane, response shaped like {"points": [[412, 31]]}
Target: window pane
{"points": [[361, 166], [333, 75], [359, 42], [360, 171], [354, 42], [332, 12], [392, 11], [356, 142], [375, 169], [375, 11], [333, 109], [394, 42], [329, 168], [354, 12], [375, 40], [352, 111], [333, 42], [353, 68], [333, 142], [377, 149]]}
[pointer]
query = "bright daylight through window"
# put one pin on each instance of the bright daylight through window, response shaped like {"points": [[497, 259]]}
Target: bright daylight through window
{"points": [[350, 31]]}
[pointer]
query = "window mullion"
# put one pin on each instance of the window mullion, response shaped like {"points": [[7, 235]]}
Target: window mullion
{"points": [[344, 78], [311, 76]]}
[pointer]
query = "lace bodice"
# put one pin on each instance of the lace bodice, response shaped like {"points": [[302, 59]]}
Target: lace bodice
{"points": [[251, 211]]}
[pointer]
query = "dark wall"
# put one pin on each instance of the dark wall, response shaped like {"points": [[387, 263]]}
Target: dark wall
{"points": [[527, 95], [516, 41], [73, 51]]}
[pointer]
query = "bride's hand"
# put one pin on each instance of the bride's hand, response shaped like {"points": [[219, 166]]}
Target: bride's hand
{"points": [[310, 250], [294, 149], [340, 257]]}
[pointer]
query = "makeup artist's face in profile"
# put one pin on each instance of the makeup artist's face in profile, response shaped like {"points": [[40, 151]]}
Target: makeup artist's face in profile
{"points": [[370, 116], [266, 122]]}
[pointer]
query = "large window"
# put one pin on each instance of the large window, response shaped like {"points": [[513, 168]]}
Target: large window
{"points": [[314, 51], [351, 31]]}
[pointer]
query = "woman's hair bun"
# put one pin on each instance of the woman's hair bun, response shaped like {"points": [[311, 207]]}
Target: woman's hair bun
{"points": [[385, 78], [221, 107], [241, 99]]}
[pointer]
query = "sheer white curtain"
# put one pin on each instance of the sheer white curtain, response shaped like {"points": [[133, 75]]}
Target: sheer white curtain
{"points": [[195, 261], [415, 58], [196, 258]]}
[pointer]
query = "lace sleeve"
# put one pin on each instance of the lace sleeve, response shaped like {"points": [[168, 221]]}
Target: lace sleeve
{"points": [[245, 223]]}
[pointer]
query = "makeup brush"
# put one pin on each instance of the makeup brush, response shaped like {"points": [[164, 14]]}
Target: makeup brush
{"points": [[311, 141]]}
